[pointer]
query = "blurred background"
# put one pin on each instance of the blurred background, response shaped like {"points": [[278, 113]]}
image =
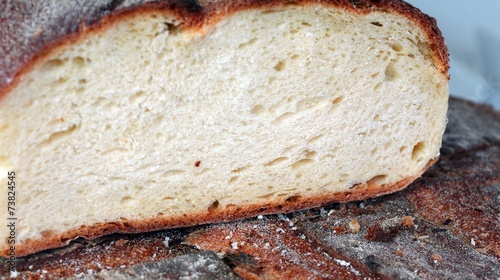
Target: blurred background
{"points": [[472, 32]]}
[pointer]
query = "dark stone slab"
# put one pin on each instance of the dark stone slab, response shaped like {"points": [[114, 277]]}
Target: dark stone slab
{"points": [[412, 248], [203, 265], [470, 126]]}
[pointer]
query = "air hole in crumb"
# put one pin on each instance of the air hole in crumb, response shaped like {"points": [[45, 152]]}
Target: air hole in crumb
{"points": [[158, 120], [266, 196], [213, 206], [232, 180], [295, 56], [377, 180], [79, 61], [238, 170], [205, 170], [258, 109], [172, 28], [173, 172], [60, 81], [313, 103], [338, 100], [417, 151], [48, 233], [242, 45], [376, 23], [305, 23], [311, 155], [293, 199], [58, 135], [396, 47], [391, 73], [283, 118], [128, 201], [315, 139], [280, 66], [276, 161], [53, 64], [137, 98], [301, 163]]}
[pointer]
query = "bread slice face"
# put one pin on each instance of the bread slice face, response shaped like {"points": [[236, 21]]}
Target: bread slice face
{"points": [[147, 122]]}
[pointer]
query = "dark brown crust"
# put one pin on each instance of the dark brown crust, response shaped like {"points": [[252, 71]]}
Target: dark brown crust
{"points": [[195, 18], [358, 192]]}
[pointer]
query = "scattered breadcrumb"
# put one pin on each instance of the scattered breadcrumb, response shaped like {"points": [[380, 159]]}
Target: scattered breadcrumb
{"points": [[166, 241], [121, 242], [348, 264], [342, 262], [282, 217], [354, 226], [322, 212], [14, 274], [473, 242], [339, 229], [408, 221], [436, 258]]}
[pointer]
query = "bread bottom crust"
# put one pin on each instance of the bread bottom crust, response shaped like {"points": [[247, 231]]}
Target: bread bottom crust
{"points": [[53, 240]]}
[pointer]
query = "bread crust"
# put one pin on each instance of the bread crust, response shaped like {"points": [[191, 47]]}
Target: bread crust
{"points": [[52, 240], [197, 17], [194, 16]]}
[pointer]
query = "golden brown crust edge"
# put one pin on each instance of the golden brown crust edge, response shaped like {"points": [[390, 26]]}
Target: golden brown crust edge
{"points": [[229, 213], [199, 16]]}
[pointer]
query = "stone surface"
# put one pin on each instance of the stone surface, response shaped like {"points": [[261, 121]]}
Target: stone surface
{"points": [[198, 266]]}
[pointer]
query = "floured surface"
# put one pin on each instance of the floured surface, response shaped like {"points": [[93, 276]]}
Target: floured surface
{"points": [[397, 236]]}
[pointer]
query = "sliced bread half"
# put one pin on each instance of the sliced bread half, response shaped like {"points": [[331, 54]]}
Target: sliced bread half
{"points": [[169, 114]]}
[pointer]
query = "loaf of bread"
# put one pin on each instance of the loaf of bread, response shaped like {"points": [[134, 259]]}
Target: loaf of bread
{"points": [[156, 115]]}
